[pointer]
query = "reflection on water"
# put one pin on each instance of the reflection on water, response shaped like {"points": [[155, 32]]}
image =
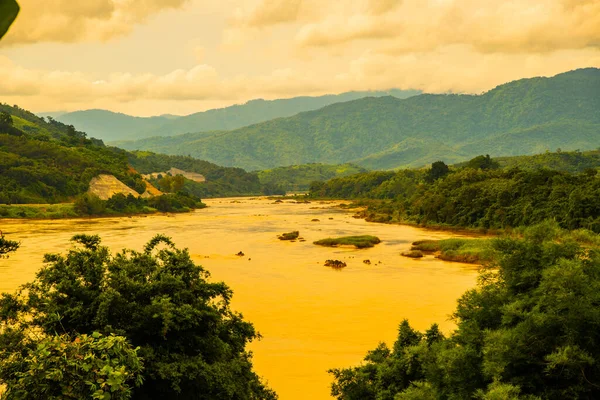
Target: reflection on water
{"points": [[312, 318]]}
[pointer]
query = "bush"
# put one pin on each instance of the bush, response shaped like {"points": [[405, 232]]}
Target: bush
{"points": [[89, 204], [289, 236]]}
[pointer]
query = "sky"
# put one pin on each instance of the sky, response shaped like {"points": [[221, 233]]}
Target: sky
{"points": [[153, 57]]}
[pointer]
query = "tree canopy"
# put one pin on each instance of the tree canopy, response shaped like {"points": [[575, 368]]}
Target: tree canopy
{"points": [[191, 343], [528, 331]]}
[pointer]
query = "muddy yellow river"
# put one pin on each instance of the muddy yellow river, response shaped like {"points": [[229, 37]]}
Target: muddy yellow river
{"points": [[312, 317]]}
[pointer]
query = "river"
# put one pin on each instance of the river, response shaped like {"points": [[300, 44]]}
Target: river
{"points": [[312, 317]]}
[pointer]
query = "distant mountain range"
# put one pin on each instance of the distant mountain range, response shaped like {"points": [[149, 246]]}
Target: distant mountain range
{"points": [[522, 117], [110, 126]]}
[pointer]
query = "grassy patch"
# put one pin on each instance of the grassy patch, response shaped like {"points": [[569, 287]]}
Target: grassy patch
{"points": [[52, 211], [360, 242], [289, 236], [413, 254], [471, 251]]}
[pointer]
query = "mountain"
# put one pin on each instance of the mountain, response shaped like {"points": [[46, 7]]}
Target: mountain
{"points": [[110, 126], [522, 117], [259, 110]]}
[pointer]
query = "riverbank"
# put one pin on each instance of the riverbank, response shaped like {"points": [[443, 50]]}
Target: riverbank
{"points": [[468, 251], [68, 211]]}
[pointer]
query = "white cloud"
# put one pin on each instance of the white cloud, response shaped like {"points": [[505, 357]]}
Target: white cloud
{"points": [[71, 21]]}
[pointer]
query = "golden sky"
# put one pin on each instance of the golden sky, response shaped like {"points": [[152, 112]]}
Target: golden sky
{"points": [[149, 57]]}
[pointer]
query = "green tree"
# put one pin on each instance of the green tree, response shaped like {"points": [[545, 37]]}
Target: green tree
{"points": [[483, 162], [89, 204], [192, 343], [6, 119], [438, 170], [171, 184]]}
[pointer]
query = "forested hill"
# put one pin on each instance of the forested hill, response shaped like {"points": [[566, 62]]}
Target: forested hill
{"points": [[111, 126], [49, 162], [46, 161], [527, 116]]}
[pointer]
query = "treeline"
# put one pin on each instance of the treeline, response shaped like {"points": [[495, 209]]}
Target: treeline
{"points": [[91, 205], [567, 161], [528, 331], [480, 195]]}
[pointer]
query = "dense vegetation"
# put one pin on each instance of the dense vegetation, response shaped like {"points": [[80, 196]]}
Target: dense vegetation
{"points": [[191, 344], [528, 331], [48, 162], [220, 181], [478, 195], [523, 117], [299, 177], [111, 126]]}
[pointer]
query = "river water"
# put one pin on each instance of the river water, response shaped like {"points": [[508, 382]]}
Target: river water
{"points": [[312, 317]]}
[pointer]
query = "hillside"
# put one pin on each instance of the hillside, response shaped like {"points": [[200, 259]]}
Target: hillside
{"points": [[522, 117], [110, 126], [50, 162]]}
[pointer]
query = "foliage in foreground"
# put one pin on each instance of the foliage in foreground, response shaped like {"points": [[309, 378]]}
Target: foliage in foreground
{"points": [[191, 342], [53, 367], [530, 330], [360, 242], [7, 246]]}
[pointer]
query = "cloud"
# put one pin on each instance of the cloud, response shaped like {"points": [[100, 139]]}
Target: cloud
{"points": [[419, 25], [454, 68], [289, 48], [71, 21], [268, 13]]}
